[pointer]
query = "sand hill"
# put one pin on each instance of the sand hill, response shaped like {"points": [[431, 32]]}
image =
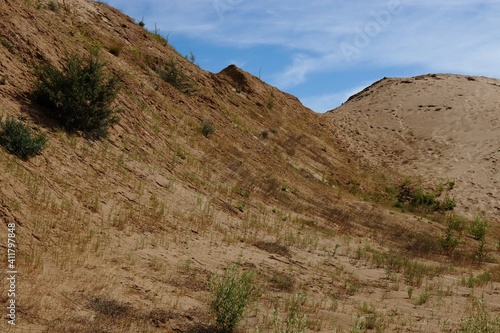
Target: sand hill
{"points": [[123, 234], [437, 126]]}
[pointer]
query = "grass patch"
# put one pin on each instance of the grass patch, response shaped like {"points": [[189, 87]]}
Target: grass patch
{"points": [[296, 320], [480, 320], [423, 298], [476, 281]]}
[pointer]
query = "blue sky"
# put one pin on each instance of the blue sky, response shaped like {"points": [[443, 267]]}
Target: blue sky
{"points": [[323, 51]]}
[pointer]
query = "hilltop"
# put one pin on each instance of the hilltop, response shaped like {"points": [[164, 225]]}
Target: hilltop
{"points": [[123, 234], [437, 126]]}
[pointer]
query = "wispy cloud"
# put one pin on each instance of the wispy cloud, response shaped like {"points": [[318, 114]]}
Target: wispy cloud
{"points": [[326, 35]]}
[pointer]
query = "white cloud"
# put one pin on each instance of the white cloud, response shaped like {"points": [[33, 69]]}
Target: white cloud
{"points": [[450, 35]]}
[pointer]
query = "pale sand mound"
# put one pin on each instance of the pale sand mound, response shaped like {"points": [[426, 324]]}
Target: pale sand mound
{"points": [[443, 127]]}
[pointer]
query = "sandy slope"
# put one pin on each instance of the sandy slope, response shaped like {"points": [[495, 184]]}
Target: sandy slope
{"points": [[144, 218], [442, 127]]}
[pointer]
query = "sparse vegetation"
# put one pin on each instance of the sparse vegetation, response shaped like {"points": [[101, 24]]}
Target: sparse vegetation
{"points": [[282, 281], [478, 228], [270, 101], [53, 5], [273, 247], [5, 42], [109, 307], [147, 216], [423, 298], [207, 128], [192, 57], [171, 73], [78, 97], [476, 281], [296, 320], [414, 198], [141, 22], [480, 321], [449, 242], [116, 48], [19, 140], [230, 295]]}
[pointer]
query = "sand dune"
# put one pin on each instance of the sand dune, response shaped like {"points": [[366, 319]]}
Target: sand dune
{"points": [[442, 127]]}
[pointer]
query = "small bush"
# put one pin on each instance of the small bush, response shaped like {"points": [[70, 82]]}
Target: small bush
{"points": [[53, 5], [449, 242], [79, 96], [207, 128], [173, 74], [415, 199], [457, 222], [19, 140], [422, 198], [447, 205], [478, 228], [231, 294]]}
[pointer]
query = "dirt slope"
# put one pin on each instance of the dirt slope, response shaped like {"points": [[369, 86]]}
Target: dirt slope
{"points": [[437, 126], [123, 234]]}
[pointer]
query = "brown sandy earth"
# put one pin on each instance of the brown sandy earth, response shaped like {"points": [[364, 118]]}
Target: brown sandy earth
{"points": [[441, 127], [124, 234]]}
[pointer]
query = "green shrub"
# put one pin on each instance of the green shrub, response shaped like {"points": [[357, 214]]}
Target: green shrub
{"points": [[422, 198], [19, 140], [478, 228], [415, 199], [53, 5], [457, 222], [207, 128], [79, 96], [447, 205], [449, 242], [231, 294], [174, 75]]}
